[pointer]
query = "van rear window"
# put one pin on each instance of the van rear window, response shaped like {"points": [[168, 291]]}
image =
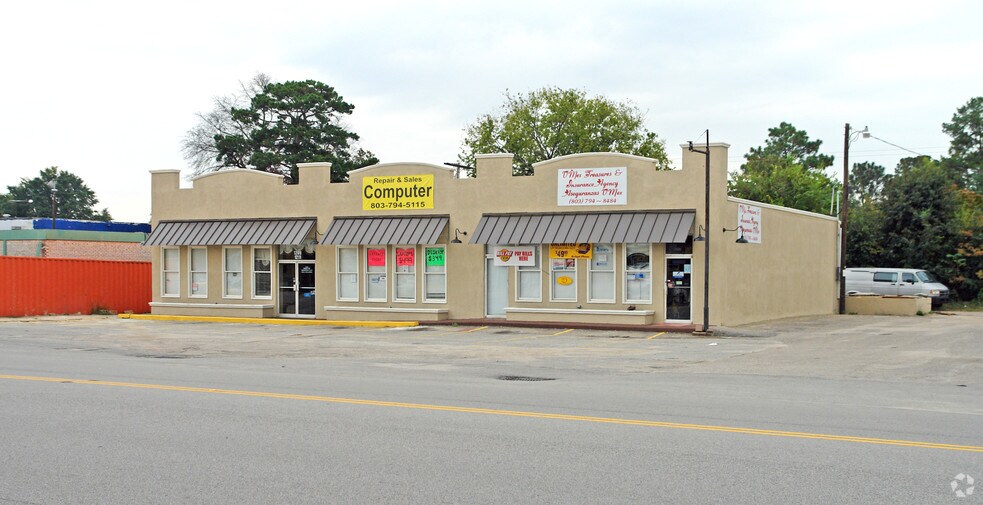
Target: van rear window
{"points": [[885, 277]]}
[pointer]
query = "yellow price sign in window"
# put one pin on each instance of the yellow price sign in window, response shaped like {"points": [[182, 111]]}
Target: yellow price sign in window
{"points": [[575, 251]]}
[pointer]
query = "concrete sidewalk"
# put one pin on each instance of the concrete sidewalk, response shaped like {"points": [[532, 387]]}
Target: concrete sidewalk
{"points": [[652, 328], [280, 321]]}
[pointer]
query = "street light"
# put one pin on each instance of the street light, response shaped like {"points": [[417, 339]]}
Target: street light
{"points": [[848, 137], [706, 241], [54, 200]]}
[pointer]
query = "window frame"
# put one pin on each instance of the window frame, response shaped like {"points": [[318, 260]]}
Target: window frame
{"points": [[254, 273], [397, 274], [339, 273], [428, 275], [624, 275], [384, 272], [164, 271], [226, 272], [192, 272], [537, 270], [613, 271], [573, 271]]}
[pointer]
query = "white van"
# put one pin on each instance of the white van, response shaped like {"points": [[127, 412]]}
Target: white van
{"points": [[896, 281]]}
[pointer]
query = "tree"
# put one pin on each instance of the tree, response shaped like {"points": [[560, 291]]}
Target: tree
{"points": [[552, 122], [966, 146], [967, 258], [74, 199], [865, 245], [865, 242], [785, 183], [866, 182], [919, 227], [198, 144], [788, 170], [284, 124], [787, 142]]}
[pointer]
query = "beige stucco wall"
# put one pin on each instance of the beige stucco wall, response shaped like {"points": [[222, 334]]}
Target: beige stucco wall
{"points": [[888, 305], [790, 273]]}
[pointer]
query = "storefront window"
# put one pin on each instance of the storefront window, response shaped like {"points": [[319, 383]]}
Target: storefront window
{"points": [[232, 272], [434, 275], [405, 274], [563, 276], [198, 263], [600, 281], [375, 274], [348, 273], [638, 273], [601, 278], [262, 272], [170, 282], [530, 281]]}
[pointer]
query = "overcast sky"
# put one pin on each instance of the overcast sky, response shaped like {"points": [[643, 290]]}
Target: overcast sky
{"points": [[106, 90]]}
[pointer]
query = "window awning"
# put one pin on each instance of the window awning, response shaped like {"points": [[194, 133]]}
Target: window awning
{"points": [[586, 227], [384, 230], [232, 232]]}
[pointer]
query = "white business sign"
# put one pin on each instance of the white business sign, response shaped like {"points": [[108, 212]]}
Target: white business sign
{"points": [[510, 256], [592, 186], [749, 220]]}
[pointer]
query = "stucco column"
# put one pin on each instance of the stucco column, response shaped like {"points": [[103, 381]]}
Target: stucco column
{"points": [[489, 166]]}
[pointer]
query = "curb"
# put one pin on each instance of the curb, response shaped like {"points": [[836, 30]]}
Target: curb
{"points": [[256, 320]]}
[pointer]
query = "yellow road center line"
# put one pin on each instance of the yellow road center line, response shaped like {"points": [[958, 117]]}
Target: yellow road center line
{"points": [[562, 332], [474, 329], [656, 335], [513, 413]]}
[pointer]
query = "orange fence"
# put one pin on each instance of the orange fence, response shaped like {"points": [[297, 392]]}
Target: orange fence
{"points": [[36, 286]]}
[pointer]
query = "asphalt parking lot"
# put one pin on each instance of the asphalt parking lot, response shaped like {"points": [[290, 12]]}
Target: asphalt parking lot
{"points": [[936, 348]]}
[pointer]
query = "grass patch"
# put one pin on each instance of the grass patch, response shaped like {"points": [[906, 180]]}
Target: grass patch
{"points": [[971, 306]]}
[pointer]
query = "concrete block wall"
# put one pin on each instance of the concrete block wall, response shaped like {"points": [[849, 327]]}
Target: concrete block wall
{"points": [[117, 251], [79, 249]]}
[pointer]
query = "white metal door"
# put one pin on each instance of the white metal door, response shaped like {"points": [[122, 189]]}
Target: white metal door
{"points": [[496, 288]]}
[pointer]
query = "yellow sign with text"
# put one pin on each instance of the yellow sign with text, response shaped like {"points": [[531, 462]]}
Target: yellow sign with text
{"points": [[575, 251], [397, 192]]}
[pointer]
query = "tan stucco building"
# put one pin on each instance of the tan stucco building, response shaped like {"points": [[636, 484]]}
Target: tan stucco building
{"points": [[595, 237]]}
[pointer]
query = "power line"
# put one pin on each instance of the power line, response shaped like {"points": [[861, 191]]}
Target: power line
{"points": [[895, 145]]}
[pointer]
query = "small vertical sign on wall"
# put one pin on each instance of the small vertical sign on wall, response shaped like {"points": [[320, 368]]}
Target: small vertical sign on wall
{"points": [[749, 220]]}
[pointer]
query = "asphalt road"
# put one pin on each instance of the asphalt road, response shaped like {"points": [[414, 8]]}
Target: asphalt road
{"points": [[828, 410]]}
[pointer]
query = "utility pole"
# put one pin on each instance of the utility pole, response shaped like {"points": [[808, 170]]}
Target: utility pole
{"points": [[706, 229], [844, 206]]}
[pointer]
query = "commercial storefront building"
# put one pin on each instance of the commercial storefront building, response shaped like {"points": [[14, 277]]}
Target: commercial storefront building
{"points": [[596, 237]]}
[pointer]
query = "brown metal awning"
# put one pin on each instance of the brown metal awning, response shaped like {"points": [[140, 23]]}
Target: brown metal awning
{"points": [[232, 232], [588, 227], [384, 230]]}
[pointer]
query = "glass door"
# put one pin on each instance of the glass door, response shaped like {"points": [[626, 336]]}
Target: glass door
{"points": [[296, 288], [305, 289], [288, 289], [678, 273]]}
